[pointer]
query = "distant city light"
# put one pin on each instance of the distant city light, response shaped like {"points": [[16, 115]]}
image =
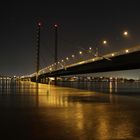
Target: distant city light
{"points": [[111, 78], [80, 52], [62, 60], [90, 48], [67, 58]]}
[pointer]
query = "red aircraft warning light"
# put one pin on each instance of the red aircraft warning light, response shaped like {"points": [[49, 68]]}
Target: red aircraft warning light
{"points": [[39, 23], [55, 25]]}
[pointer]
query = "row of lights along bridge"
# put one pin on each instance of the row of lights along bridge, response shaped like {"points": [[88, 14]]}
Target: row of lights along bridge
{"points": [[62, 63]]}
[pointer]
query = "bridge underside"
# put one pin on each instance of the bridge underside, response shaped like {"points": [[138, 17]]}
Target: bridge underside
{"points": [[123, 62]]}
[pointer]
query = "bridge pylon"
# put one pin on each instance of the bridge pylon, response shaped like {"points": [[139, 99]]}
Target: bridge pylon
{"points": [[56, 50], [38, 50]]}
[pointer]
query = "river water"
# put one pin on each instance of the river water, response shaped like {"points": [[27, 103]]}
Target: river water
{"points": [[46, 112], [120, 88]]}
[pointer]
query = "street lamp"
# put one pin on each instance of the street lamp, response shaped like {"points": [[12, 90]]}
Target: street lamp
{"points": [[50, 69], [112, 54], [125, 33], [127, 51], [104, 42], [73, 56], [90, 49]]}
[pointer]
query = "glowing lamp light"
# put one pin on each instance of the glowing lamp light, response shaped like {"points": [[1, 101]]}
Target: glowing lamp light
{"points": [[112, 54], [126, 51], [125, 33], [90, 48], [80, 52], [73, 56], [55, 25], [39, 24], [104, 42]]}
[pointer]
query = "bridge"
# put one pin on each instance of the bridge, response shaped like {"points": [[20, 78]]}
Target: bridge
{"points": [[125, 59]]}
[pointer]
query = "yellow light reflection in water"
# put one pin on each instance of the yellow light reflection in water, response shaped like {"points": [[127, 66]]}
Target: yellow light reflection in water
{"points": [[83, 119], [116, 86], [79, 116], [48, 95], [109, 127], [110, 86]]}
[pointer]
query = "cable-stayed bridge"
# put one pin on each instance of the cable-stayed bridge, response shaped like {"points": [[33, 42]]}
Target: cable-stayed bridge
{"points": [[126, 59]]}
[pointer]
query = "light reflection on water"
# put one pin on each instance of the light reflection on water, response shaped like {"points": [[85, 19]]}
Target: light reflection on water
{"points": [[67, 113], [106, 87]]}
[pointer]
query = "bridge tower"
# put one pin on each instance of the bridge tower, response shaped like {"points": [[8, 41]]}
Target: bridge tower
{"points": [[38, 50], [56, 50]]}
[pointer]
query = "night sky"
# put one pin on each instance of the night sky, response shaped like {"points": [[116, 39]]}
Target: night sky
{"points": [[81, 24]]}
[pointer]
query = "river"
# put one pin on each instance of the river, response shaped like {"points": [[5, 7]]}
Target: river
{"points": [[38, 111]]}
